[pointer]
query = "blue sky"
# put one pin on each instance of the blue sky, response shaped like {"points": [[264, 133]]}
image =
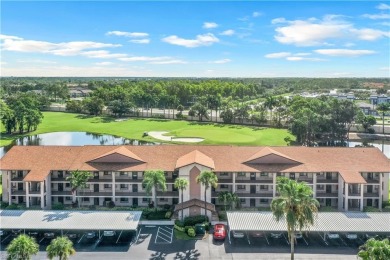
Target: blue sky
{"points": [[196, 39]]}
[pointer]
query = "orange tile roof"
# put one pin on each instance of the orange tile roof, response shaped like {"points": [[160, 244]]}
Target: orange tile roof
{"points": [[268, 152], [195, 157], [349, 162], [122, 151]]}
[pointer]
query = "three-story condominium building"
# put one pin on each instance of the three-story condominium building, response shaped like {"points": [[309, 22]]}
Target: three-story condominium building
{"points": [[343, 178]]}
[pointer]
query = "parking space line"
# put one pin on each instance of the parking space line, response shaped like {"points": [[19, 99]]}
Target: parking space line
{"points": [[305, 241], [136, 239], [247, 237], [162, 234], [119, 237], [81, 239], [5, 238], [288, 242], [266, 238], [41, 240]]}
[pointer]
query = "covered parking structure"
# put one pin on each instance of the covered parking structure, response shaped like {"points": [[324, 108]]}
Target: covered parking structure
{"points": [[327, 222], [64, 220]]}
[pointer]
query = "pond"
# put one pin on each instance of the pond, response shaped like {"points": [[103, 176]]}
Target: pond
{"points": [[72, 138]]}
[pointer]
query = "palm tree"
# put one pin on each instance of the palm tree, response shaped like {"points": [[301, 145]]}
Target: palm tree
{"points": [[383, 108], [78, 179], [208, 179], [375, 249], [270, 103], [22, 248], [181, 184], [152, 180], [234, 200], [296, 205], [225, 197], [61, 247]]}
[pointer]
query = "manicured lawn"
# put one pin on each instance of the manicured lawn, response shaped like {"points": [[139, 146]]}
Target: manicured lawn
{"points": [[1, 188], [134, 129]]}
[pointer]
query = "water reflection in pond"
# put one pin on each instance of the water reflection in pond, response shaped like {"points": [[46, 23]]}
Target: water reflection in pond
{"points": [[72, 138]]}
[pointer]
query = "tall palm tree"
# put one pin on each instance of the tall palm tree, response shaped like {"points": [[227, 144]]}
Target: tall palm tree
{"points": [[383, 108], [154, 179], [181, 184], [225, 197], [295, 205], [78, 179], [61, 247], [234, 200], [22, 248], [270, 103], [208, 179], [375, 249]]}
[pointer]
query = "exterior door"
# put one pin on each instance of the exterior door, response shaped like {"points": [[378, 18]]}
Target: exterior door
{"points": [[96, 201], [135, 187], [369, 188], [134, 176], [328, 189], [328, 202], [20, 186], [135, 201], [96, 175], [292, 176], [253, 189], [369, 202], [328, 175], [253, 202], [96, 187], [253, 176], [61, 200], [60, 187]]}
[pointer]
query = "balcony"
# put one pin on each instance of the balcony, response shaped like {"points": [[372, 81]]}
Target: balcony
{"points": [[18, 192], [371, 194], [100, 181], [61, 193], [131, 194], [56, 179], [128, 180], [266, 181], [167, 193], [303, 179], [17, 178], [34, 192], [254, 195], [327, 195], [372, 180], [323, 180], [94, 194], [225, 181]]}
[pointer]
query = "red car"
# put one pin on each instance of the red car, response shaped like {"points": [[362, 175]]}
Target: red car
{"points": [[219, 232]]}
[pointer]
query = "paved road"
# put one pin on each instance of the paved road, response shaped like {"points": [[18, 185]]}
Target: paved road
{"points": [[146, 248]]}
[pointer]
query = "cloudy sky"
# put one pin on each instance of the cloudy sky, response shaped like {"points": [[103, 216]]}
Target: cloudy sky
{"points": [[196, 39]]}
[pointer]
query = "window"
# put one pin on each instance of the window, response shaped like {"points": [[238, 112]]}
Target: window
{"points": [[145, 199], [68, 198], [123, 173], [302, 174], [86, 199], [223, 174], [163, 199], [242, 201], [135, 175], [223, 186], [107, 186], [123, 186], [105, 173], [320, 187], [279, 174], [263, 187], [241, 174], [264, 174], [67, 185], [13, 197], [240, 187], [263, 200], [124, 200]]}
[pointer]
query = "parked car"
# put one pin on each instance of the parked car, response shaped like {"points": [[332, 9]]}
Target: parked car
{"points": [[109, 233], [90, 234], [49, 235], [256, 234], [238, 234], [276, 235], [16, 232], [298, 235], [3, 233], [351, 236], [219, 232], [33, 234], [332, 235], [72, 235]]}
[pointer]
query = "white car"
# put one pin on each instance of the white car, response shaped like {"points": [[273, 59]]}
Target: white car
{"points": [[351, 236], [238, 234], [276, 235], [109, 233], [332, 235], [298, 235]]}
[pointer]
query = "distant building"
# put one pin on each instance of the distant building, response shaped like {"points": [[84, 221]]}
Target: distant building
{"points": [[79, 92], [379, 99]]}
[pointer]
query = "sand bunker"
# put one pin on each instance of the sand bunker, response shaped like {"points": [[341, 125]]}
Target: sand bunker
{"points": [[160, 136]]}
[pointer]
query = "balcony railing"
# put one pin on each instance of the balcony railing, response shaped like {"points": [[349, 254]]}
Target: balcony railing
{"points": [[268, 181], [327, 195], [321, 180], [371, 194]]}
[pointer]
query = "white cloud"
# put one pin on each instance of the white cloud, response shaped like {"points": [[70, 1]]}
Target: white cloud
{"points": [[311, 32], [385, 68], [37, 61], [302, 54], [223, 61], [209, 25], [369, 34], [104, 63], [128, 34], [140, 41], [103, 54], [168, 62], [256, 14], [278, 20], [377, 16], [344, 52], [13, 43], [201, 40], [277, 55], [296, 58], [383, 7], [227, 33], [9, 37], [145, 58]]}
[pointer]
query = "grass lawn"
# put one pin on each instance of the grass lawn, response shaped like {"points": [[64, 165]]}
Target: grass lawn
{"points": [[1, 188], [134, 128]]}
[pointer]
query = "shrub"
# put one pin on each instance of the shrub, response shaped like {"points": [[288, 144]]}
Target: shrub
{"points": [[386, 209], [168, 215], [166, 206], [58, 206], [370, 209], [111, 204], [182, 229], [188, 227], [191, 221], [179, 223], [191, 232], [156, 215], [12, 206]]}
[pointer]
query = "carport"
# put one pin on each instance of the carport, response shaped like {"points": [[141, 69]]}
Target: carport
{"points": [[338, 222], [63, 220]]}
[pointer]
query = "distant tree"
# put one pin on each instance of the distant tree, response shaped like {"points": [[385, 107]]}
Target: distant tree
{"points": [[227, 115], [120, 107], [94, 105], [154, 179], [7, 117], [60, 247], [75, 106], [199, 110], [22, 248], [365, 121], [78, 179], [383, 108]]}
